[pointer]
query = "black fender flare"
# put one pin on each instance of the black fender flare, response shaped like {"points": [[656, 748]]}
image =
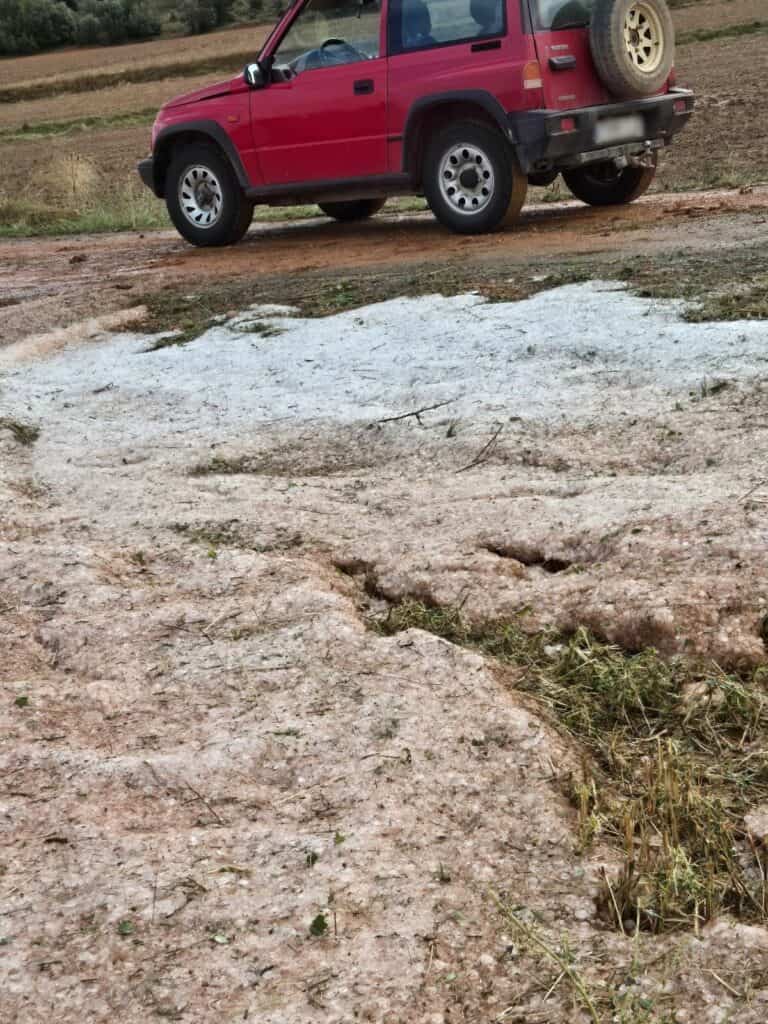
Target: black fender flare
{"points": [[466, 97], [210, 129]]}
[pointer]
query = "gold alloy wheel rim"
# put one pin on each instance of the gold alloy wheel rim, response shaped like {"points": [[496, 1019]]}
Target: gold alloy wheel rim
{"points": [[644, 37]]}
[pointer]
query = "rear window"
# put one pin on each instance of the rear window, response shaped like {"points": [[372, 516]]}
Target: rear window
{"points": [[423, 24], [552, 15]]}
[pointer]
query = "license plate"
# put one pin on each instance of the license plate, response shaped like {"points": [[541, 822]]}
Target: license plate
{"points": [[619, 129]]}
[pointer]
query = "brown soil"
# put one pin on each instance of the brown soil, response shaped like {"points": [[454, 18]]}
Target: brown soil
{"points": [[726, 140]]}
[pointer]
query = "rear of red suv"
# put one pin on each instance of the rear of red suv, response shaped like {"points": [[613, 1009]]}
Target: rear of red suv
{"points": [[464, 101]]}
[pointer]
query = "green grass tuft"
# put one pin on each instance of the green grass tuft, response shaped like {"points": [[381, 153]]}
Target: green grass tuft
{"points": [[678, 753]]}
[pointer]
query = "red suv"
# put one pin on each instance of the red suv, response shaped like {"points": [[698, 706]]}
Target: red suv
{"points": [[466, 102]]}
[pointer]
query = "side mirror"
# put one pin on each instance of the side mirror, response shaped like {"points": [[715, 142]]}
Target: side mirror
{"points": [[254, 76]]}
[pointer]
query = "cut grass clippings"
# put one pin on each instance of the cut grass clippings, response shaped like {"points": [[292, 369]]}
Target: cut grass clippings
{"points": [[678, 753]]}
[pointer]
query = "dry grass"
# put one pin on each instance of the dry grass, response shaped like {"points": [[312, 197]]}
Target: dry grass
{"points": [[676, 755], [70, 194]]}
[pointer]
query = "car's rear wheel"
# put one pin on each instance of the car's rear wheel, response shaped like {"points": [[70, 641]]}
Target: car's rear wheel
{"points": [[203, 196], [542, 179], [633, 45], [471, 179], [352, 209], [604, 184]]}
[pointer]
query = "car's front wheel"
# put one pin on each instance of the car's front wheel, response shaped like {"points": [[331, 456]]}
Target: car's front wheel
{"points": [[471, 179], [203, 196], [605, 184], [352, 209]]}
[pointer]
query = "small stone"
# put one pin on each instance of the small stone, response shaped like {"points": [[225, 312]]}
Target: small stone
{"points": [[756, 823]]}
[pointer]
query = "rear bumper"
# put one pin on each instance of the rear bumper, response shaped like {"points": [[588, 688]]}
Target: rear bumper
{"points": [[146, 169], [542, 144]]}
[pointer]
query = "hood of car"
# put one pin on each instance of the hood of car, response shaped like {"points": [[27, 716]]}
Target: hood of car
{"points": [[208, 92]]}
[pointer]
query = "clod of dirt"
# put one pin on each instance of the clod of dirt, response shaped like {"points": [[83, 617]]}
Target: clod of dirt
{"points": [[22, 433]]}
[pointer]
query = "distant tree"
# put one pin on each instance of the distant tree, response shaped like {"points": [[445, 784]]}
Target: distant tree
{"points": [[27, 26], [115, 21], [30, 25], [88, 30], [198, 16], [223, 10]]}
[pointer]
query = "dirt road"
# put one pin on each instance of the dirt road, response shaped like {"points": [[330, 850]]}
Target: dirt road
{"points": [[55, 283]]}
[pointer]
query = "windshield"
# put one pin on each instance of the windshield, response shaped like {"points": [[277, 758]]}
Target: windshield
{"points": [[329, 32], [552, 15]]}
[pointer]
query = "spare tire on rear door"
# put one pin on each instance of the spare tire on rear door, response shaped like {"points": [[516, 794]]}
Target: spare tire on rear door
{"points": [[633, 46]]}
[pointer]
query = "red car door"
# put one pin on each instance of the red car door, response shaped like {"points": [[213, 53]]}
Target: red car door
{"points": [[323, 117], [465, 47]]}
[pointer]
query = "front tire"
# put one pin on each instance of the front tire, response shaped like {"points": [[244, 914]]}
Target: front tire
{"points": [[353, 209], [471, 179], [204, 198], [604, 184]]}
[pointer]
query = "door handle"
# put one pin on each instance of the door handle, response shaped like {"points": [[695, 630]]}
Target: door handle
{"points": [[562, 63], [363, 86]]}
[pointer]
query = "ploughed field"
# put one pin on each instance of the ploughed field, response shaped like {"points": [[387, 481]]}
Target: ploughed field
{"points": [[73, 124]]}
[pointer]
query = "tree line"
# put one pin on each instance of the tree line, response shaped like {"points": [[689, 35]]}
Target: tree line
{"points": [[28, 26]]}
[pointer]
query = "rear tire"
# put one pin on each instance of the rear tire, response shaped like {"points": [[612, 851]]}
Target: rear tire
{"points": [[543, 179], [604, 184], [204, 198], [353, 209], [471, 178], [633, 46]]}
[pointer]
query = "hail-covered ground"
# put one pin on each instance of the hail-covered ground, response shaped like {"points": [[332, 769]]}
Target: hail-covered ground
{"points": [[225, 797]]}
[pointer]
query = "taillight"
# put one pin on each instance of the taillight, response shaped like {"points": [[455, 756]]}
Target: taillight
{"points": [[672, 80], [567, 124], [679, 106], [532, 75]]}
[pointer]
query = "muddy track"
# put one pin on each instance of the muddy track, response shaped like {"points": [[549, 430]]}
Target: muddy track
{"points": [[55, 283]]}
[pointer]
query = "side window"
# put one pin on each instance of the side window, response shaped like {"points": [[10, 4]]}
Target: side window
{"points": [[420, 24], [331, 32]]}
